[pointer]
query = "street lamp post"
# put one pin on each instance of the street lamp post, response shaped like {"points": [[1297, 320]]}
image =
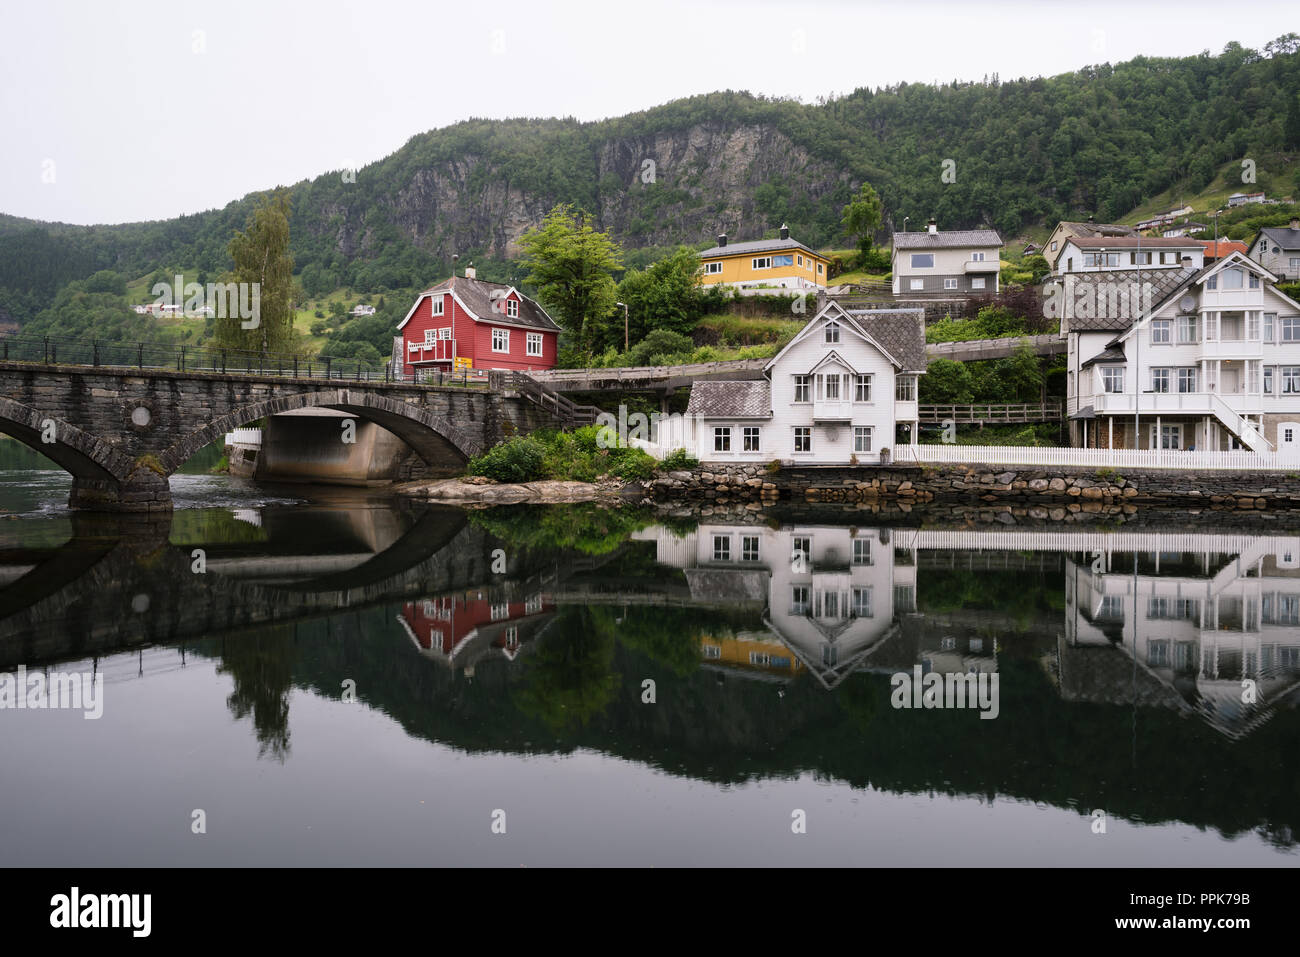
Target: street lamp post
{"points": [[624, 305]]}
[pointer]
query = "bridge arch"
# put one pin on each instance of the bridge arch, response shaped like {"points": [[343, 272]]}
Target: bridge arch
{"points": [[75, 450], [433, 437]]}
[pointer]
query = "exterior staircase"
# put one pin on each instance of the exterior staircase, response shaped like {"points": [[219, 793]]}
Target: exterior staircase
{"points": [[1249, 435], [570, 413]]}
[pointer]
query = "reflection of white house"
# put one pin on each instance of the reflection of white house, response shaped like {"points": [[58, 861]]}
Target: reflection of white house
{"points": [[844, 388], [1193, 626], [832, 593], [1207, 358]]}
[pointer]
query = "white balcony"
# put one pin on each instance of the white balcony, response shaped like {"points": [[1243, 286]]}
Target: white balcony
{"points": [[987, 266], [832, 410], [1184, 403]]}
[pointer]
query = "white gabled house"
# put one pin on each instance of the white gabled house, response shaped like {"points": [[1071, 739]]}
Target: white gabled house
{"points": [[843, 389], [1176, 359]]}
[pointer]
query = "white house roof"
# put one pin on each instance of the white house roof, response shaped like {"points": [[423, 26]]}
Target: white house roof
{"points": [[724, 399]]}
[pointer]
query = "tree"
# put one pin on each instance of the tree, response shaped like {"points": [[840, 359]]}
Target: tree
{"points": [[1292, 132], [862, 218], [570, 265], [666, 295], [947, 381], [262, 256]]}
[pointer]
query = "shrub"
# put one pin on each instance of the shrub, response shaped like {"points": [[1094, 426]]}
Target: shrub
{"points": [[516, 460], [774, 466], [634, 464], [679, 459]]}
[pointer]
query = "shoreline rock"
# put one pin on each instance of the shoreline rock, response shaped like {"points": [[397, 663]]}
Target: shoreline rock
{"points": [[476, 490]]}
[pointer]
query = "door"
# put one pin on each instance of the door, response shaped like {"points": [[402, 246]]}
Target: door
{"points": [[1288, 438]]}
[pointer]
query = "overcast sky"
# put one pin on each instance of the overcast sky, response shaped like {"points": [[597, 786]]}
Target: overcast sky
{"points": [[123, 110]]}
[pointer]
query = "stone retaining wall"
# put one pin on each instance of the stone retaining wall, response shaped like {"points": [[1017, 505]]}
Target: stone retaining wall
{"points": [[1088, 489]]}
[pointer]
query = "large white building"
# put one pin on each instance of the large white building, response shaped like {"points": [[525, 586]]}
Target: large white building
{"points": [[946, 263], [843, 390], [1203, 358], [1112, 253]]}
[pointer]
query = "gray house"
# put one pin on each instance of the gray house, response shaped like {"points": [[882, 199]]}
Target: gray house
{"points": [[1277, 249], [954, 263]]}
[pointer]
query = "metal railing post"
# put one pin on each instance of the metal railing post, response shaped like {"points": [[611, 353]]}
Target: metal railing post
{"points": [[223, 361], [140, 355]]}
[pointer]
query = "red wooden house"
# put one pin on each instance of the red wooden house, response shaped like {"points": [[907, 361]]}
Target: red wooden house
{"points": [[466, 322], [461, 629]]}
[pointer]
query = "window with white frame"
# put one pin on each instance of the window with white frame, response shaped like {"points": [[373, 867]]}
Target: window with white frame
{"points": [[819, 269], [862, 602], [862, 551], [1112, 379], [1270, 326], [801, 553], [1187, 380], [950, 284], [905, 388], [499, 611], [828, 386], [722, 439], [722, 548], [977, 257], [1187, 329], [803, 388], [922, 260], [916, 284], [534, 343], [977, 282], [1211, 326], [1268, 380], [862, 438], [862, 389], [803, 438], [832, 332], [1159, 380], [1232, 278], [500, 340], [762, 262], [1290, 380], [512, 637], [712, 269], [1252, 327], [749, 548], [444, 332], [711, 651], [1290, 329], [512, 308], [1161, 332], [1212, 282], [532, 604], [750, 438], [429, 336], [1053, 246], [800, 258], [799, 604], [435, 305], [1254, 281]]}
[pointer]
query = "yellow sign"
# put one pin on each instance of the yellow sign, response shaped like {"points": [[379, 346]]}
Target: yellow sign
{"points": [[463, 362]]}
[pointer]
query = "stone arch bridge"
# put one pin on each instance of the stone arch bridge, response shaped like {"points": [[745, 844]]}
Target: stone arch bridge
{"points": [[121, 432]]}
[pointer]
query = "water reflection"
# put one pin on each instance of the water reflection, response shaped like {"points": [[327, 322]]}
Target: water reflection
{"points": [[767, 643]]}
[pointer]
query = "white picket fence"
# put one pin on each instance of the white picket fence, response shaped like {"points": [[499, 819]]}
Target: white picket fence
{"points": [[245, 437], [1120, 459]]}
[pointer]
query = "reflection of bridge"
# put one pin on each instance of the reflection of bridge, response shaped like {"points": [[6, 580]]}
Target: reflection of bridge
{"points": [[119, 583]]}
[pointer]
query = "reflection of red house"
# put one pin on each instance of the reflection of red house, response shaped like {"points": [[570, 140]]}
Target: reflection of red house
{"points": [[460, 629], [486, 325]]}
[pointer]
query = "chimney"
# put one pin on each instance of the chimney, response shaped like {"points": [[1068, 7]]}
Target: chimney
{"points": [[933, 228], [785, 231], [722, 239], [1187, 264], [1295, 223], [470, 272]]}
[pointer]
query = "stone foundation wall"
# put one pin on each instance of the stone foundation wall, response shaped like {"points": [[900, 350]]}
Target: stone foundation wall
{"points": [[1089, 489]]}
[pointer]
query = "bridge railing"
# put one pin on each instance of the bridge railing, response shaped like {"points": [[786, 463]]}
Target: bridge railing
{"points": [[79, 351]]}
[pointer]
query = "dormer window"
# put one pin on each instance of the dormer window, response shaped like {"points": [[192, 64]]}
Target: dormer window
{"points": [[512, 308], [832, 333]]}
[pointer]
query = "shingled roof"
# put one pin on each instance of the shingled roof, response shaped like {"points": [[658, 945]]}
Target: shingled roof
{"points": [[900, 332], [945, 239], [756, 246], [1115, 289], [1282, 236], [480, 298], [747, 399]]}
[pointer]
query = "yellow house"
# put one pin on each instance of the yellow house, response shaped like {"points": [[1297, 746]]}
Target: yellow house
{"points": [[751, 652], [765, 264]]}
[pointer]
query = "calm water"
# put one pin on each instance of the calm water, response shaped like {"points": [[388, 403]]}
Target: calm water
{"points": [[353, 680]]}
